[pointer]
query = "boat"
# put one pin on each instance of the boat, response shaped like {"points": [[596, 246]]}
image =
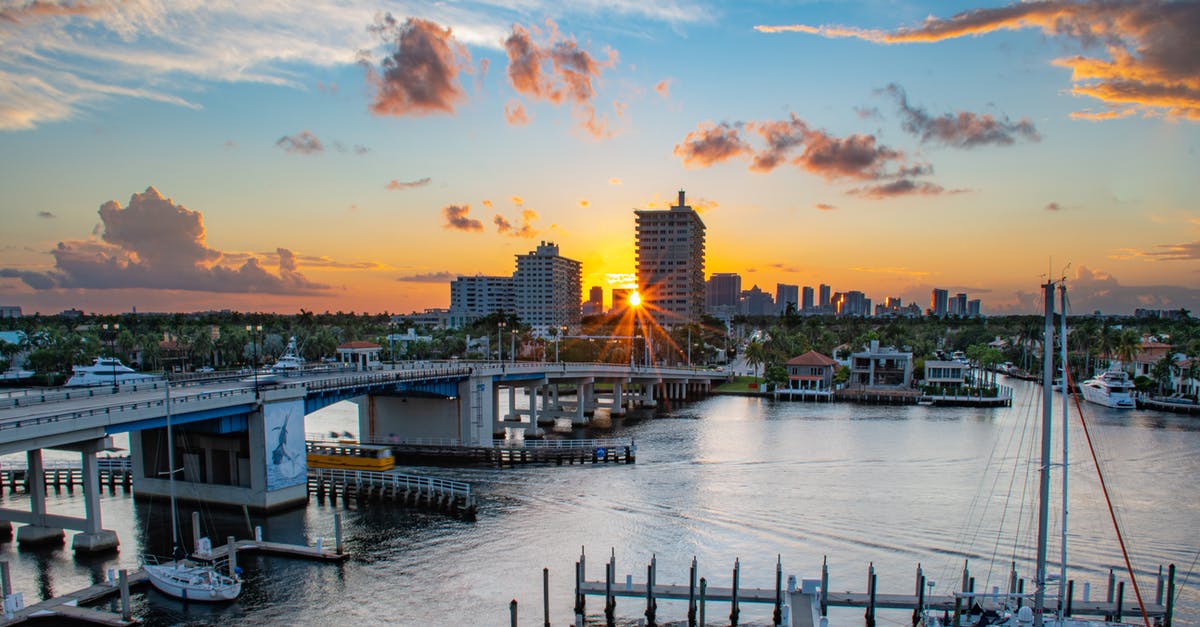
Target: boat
{"points": [[1110, 389], [181, 577], [1018, 608], [106, 371], [290, 360], [350, 456]]}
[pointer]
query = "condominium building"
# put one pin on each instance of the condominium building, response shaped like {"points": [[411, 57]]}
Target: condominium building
{"points": [[723, 289], [939, 303], [785, 294], [806, 299], [823, 293], [670, 263], [477, 296], [547, 289]]}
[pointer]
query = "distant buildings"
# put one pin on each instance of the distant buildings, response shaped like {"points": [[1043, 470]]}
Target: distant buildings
{"points": [[620, 299], [785, 294], [544, 292], [595, 302], [941, 305], [670, 263], [756, 302], [9, 311], [938, 303], [477, 296], [806, 299]]}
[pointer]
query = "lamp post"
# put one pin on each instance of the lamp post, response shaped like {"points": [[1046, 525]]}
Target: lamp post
{"points": [[254, 331], [111, 336], [513, 348], [391, 343], [500, 341], [689, 330], [557, 336]]}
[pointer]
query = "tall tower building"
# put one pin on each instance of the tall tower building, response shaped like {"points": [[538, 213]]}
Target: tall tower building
{"points": [[785, 294], [806, 299], [547, 289], [823, 300], [938, 303], [670, 263], [477, 296], [723, 289]]}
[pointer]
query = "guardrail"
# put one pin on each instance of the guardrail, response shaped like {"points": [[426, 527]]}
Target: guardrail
{"points": [[111, 409], [584, 443], [396, 481], [121, 463]]}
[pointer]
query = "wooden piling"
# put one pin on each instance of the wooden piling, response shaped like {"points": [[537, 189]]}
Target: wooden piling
{"points": [[195, 531], [824, 585], [1070, 597], [1170, 612], [691, 613], [5, 579], [1120, 601], [337, 531], [777, 616], [651, 604], [233, 567], [545, 595], [703, 588], [512, 613], [734, 611], [123, 580], [870, 613], [1112, 579]]}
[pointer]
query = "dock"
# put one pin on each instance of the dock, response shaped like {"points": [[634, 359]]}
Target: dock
{"points": [[441, 495], [70, 606], [877, 396], [1173, 405], [802, 606], [508, 453], [58, 474]]}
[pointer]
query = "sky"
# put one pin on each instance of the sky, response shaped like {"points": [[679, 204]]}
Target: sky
{"points": [[357, 156]]}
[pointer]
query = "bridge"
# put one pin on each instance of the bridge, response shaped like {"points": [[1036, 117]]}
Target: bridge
{"points": [[239, 440]]}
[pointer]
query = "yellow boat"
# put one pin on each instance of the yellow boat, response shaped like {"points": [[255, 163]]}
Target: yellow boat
{"points": [[349, 456]]}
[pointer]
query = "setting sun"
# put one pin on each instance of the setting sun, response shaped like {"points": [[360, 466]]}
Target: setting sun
{"points": [[635, 299]]}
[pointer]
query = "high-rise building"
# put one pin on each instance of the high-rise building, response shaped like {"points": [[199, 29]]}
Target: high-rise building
{"points": [[670, 263], [785, 294], [723, 289], [620, 299], [958, 305], [756, 302], [806, 299], [477, 296], [594, 305], [547, 289], [823, 297], [852, 303], [938, 303], [973, 308]]}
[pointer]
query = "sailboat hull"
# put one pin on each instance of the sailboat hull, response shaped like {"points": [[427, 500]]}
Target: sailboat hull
{"points": [[193, 582]]}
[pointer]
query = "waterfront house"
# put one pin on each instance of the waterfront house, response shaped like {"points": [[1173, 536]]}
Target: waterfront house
{"points": [[809, 376], [881, 367], [360, 355], [945, 374]]}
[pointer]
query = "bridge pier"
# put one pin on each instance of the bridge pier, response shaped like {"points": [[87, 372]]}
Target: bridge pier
{"points": [[37, 532], [94, 538]]}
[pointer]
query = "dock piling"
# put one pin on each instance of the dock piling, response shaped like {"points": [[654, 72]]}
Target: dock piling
{"points": [[651, 604], [777, 616], [733, 603], [337, 531], [1112, 579], [870, 612], [691, 613], [1070, 597], [824, 585], [1158, 589], [5, 579], [512, 613], [1170, 610], [1120, 601], [545, 596], [195, 531], [703, 589], [123, 580], [233, 567]]}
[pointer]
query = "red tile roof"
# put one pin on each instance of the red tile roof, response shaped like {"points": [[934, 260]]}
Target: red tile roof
{"points": [[358, 344], [812, 358]]}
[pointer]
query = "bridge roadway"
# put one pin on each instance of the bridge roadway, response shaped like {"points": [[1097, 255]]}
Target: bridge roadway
{"points": [[65, 416]]}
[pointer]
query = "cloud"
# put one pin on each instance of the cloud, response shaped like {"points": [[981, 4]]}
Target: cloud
{"points": [[524, 230], [1152, 46], [40, 9], [304, 143], [1093, 290], [823, 206], [960, 130], [517, 200], [487, 203], [663, 88], [896, 270], [457, 220], [614, 181], [46, 214], [703, 205], [321, 261], [154, 243], [710, 144], [557, 71], [1053, 207], [396, 184], [584, 203], [428, 277], [421, 76], [784, 267], [514, 114], [1188, 251], [900, 187]]}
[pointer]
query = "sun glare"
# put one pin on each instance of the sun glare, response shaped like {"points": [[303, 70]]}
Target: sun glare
{"points": [[635, 299]]}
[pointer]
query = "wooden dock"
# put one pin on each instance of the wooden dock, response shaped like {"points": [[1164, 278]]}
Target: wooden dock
{"points": [[69, 606], [57, 474], [363, 486], [877, 396], [510, 456], [1176, 406]]}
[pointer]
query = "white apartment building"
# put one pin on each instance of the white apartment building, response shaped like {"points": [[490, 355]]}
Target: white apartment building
{"points": [[547, 289], [477, 296], [670, 263]]}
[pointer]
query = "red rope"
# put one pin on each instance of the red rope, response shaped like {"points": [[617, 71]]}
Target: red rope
{"points": [[1137, 590]]}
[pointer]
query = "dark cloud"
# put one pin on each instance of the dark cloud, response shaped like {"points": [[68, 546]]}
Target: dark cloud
{"points": [[1053, 207], [457, 220], [395, 184], [1153, 48], [157, 244], [428, 277], [900, 187], [557, 71], [824, 206], [710, 144], [40, 9], [1093, 290], [46, 214], [304, 143], [421, 77], [960, 130], [524, 230]]}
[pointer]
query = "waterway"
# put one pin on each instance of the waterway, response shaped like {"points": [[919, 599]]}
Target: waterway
{"points": [[719, 479]]}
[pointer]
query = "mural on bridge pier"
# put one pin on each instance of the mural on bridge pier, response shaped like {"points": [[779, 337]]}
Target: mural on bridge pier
{"points": [[284, 426]]}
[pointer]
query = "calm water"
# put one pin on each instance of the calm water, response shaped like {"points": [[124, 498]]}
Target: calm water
{"points": [[719, 479]]}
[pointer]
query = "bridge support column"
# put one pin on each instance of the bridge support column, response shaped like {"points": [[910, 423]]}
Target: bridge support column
{"points": [[618, 401], [95, 538], [581, 393], [512, 404], [37, 532]]}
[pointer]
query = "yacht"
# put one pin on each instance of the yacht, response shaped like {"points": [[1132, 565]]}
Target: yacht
{"points": [[290, 360], [1110, 389], [106, 371]]}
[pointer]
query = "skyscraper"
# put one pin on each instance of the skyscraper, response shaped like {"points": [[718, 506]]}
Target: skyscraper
{"points": [[938, 303], [474, 297], [823, 297], [806, 299], [670, 263], [595, 302], [785, 294], [547, 289], [723, 289]]}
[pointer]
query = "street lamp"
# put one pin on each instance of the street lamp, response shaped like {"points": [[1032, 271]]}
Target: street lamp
{"points": [[513, 348], [500, 341], [561, 330], [111, 336], [254, 331]]}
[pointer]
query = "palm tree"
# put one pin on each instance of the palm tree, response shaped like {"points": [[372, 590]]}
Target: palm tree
{"points": [[1127, 347], [1106, 343], [756, 355]]}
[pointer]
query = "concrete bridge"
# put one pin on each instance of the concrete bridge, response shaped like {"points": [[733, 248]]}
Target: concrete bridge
{"points": [[240, 442]]}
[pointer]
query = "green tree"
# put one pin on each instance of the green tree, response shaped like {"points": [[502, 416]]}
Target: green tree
{"points": [[756, 355], [1160, 373], [1127, 347]]}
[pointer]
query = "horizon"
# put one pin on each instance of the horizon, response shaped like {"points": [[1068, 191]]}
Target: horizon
{"points": [[360, 157]]}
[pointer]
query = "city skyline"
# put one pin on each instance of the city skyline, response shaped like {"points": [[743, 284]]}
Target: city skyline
{"points": [[359, 157]]}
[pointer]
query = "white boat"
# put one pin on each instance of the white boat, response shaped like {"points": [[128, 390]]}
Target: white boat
{"points": [[1110, 389], [290, 361], [1019, 609], [106, 371], [183, 578]]}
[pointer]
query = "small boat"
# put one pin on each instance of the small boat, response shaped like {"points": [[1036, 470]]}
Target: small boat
{"points": [[290, 360], [1110, 389], [183, 578], [106, 371]]}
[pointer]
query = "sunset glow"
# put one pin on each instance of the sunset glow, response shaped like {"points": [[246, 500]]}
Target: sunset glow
{"points": [[353, 156]]}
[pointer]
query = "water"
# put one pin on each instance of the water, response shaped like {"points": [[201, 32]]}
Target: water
{"points": [[720, 479]]}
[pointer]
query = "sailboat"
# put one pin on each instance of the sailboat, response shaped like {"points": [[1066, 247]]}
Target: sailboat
{"points": [[1019, 609], [182, 578]]}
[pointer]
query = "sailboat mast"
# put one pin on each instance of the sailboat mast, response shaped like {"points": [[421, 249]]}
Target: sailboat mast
{"points": [[1039, 597], [1062, 572], [171, 472]]}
